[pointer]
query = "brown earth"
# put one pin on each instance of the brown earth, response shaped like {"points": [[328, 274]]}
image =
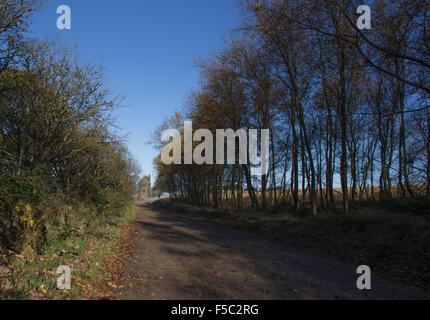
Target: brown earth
{"points": [[176, 257]]}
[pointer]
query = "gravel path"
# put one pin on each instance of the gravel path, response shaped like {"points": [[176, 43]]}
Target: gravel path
{"points": [[180, 258]]}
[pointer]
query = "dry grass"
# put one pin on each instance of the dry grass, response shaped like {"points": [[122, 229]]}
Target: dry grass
{"points": [[230, 205]]}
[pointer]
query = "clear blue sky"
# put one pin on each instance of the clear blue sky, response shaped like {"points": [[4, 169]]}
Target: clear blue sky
{"points": [[148, 49]]}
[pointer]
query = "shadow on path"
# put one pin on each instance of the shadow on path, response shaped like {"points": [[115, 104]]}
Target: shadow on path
{"points": [[178, 257]]}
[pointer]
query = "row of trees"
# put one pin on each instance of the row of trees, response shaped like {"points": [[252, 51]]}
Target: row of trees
{"points": [[347, 108], [57, 147]]}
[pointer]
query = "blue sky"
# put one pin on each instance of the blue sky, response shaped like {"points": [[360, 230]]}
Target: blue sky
{"points": [[148, 49]]}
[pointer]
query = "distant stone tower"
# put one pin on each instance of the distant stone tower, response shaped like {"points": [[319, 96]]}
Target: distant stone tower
{"points": [[144, 188]]}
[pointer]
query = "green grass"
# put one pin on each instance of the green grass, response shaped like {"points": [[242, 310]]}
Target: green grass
{"points": [[84, 252], [393, 243]]}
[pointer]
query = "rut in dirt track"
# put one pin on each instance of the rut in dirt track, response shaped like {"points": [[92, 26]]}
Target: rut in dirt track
{"points": [[180, 258]]}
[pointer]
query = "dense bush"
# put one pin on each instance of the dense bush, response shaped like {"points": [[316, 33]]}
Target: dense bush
{"points": [[60, 164], [21, 199]]}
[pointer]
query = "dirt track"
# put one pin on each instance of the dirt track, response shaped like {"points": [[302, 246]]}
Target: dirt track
{"points": [[177, 257]]}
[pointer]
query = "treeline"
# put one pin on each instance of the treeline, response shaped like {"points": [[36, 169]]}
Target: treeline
{"points": [[347, 108], [61, 165]]}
